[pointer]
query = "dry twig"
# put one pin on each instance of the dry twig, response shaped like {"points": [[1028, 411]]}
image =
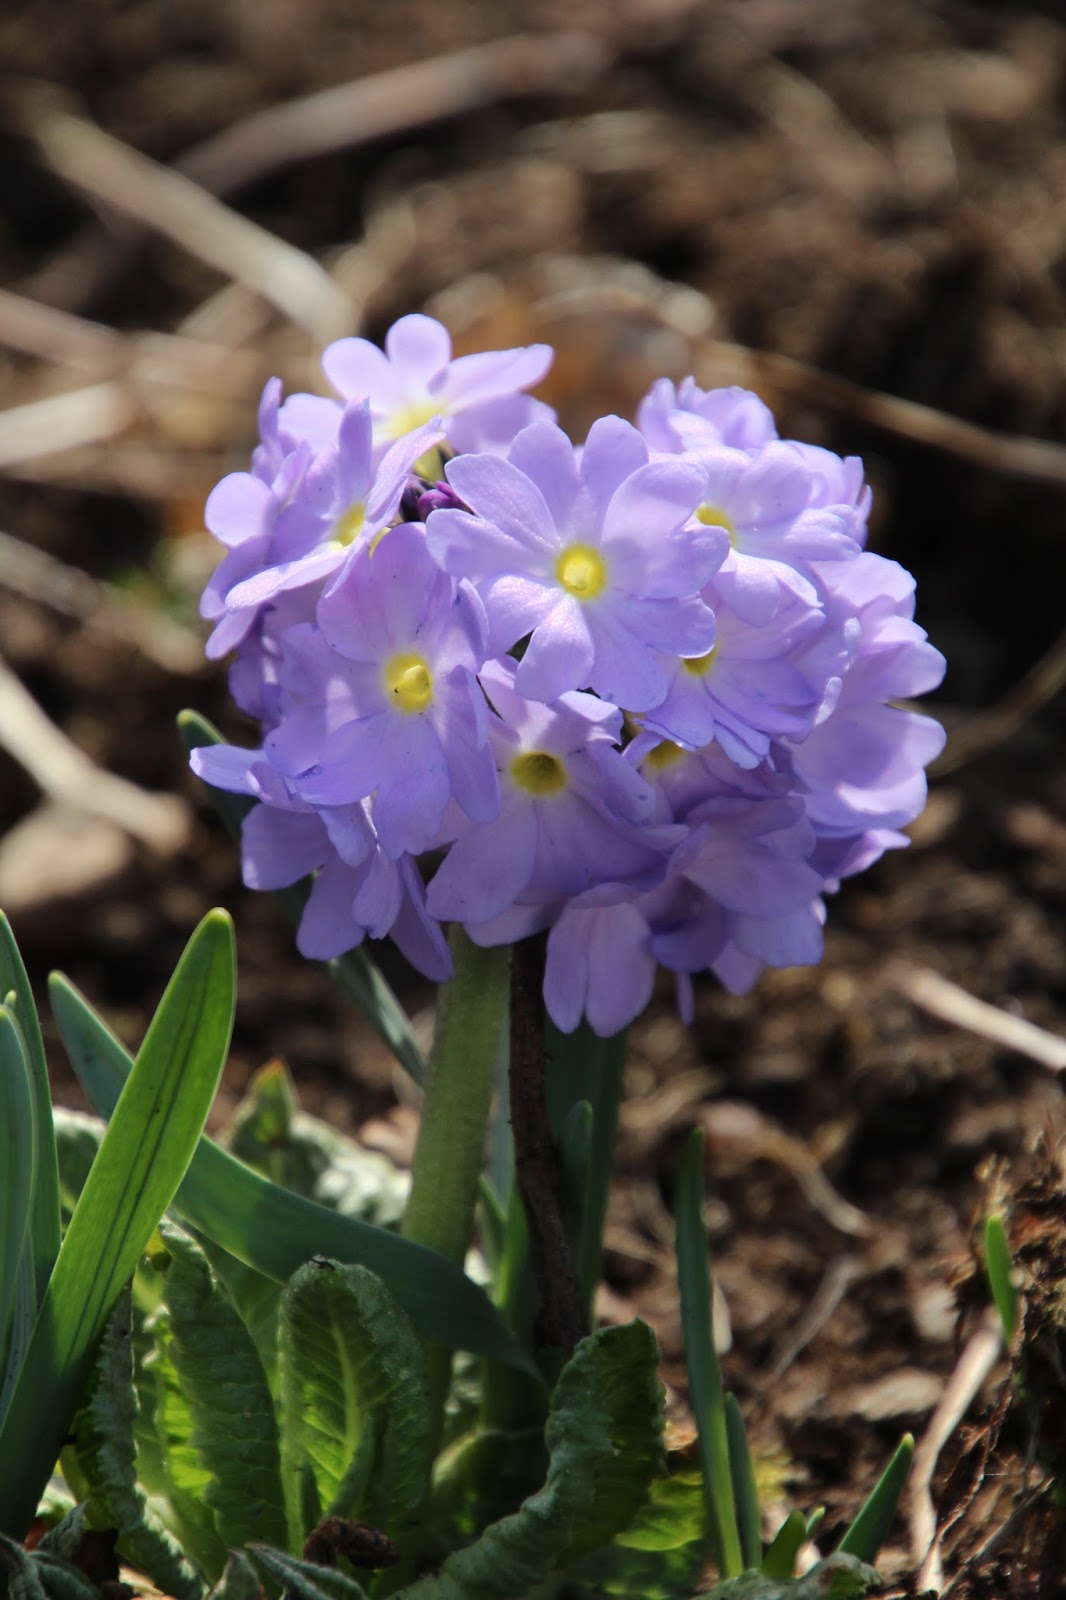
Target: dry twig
{"points": [[974, 1365], [68, 776], [86, 416], [37, 576], [946, 1000], [397, 101], [169, 203], [836, 1281], [988, 729]]}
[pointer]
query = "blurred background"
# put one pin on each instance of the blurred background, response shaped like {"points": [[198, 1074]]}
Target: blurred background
{"points": [[857, 210]]}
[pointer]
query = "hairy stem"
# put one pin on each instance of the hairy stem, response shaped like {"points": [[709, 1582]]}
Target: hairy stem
{"points": [[561, 1319], [472, 1011]]}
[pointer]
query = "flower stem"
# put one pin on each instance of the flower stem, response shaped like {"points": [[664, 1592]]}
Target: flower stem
{"points": [[562, 1321], [471, 1017]]}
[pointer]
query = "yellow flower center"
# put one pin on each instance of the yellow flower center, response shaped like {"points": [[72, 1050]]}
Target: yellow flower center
{"points": [[582, 571], [408, 418], [698, 666], [348, 526], [538, 773], [408, 679], [663, 756], [715, 517]]}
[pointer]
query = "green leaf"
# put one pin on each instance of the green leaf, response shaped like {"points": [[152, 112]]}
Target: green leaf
{"points": [[105, 1449], [270, 1133], [303, 1579], [660, 1555], [78, 1139], [354, 1399], [20, 1575], [169, 1464], [701, 1356], [869, 1530], [44, 1225], [742, 1473], [156, 1123], [50, 1569], [582, 1066], [235, 1431], [18, 1167], [275, 1232], [780, 1558], [838, 1577], [999, 1264], [64, 1540], [605, 1448], [239, 1581], [356, 974]]}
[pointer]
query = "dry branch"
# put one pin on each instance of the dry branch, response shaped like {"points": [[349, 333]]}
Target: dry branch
{"points": [[975, 1363], [945, 1000], [167, 202], [68, 776], [389, 103], [37, 576]]}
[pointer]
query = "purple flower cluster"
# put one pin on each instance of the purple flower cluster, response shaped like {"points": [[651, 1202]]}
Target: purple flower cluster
{"points": [[637, 693]]}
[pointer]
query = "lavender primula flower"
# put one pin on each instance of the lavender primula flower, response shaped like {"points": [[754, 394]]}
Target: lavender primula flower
{"points": [[357, 891], [405, 721], [593, 559], [751, 686], [344, 502], [478, 397], [242, 512], [764, 503], [571, 813], [863, 765], [683, 417]]}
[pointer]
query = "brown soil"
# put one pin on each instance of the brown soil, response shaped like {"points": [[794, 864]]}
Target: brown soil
{"points": [[877, 191]]}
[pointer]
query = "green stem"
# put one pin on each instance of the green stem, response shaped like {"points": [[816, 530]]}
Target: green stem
{"points": [[471, 1017]]}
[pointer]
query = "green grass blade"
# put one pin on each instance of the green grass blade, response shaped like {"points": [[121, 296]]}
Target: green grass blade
{"points": [[583, 1066], [44, 1223], [780, 1558], [869, 1530], [704, 1374], [275, 1232], [999, 1265], [745, 1489], [18, 1173], [356, 974], [148, 1145]]}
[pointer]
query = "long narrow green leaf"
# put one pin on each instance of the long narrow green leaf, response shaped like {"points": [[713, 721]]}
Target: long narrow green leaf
{"points": [[105, 1450], [44, 1223], [869, 1530], [275, 1231], [583, 1066], [157, 1121], [354, 1398], [235, 1431], [780, 1558], [999, 1265], [701, 1356], [18, 1172], [745, 1489], [356, 974]]}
